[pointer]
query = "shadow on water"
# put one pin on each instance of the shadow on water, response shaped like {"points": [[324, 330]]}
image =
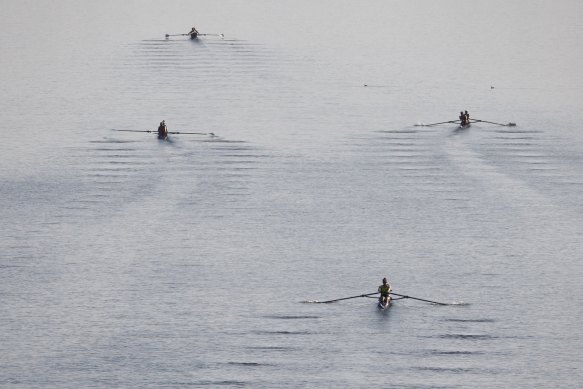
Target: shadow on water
{"points": [[460, 131]]}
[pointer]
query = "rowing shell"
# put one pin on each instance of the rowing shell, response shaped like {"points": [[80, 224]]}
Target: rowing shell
{"points": [[382, 306]]}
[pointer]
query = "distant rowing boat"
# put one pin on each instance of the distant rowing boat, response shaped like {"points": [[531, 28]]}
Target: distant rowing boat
{"points": [[381, 306], [195, 35], [171, 132], [466, 125]]}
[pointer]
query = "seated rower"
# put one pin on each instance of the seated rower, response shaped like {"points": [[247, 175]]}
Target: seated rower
{"points": [[384, 290], [193, 33], [162, 130], [467, 115]]}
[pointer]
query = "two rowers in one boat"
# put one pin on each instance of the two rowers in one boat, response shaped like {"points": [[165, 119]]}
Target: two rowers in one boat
{"points": [[464, 119]]}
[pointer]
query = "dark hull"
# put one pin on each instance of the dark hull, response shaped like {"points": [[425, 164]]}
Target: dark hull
{"points": [[382, 307], [194, 35]]}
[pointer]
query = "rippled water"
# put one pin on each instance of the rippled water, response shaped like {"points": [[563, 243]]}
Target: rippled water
{"points": [[126, 261]]}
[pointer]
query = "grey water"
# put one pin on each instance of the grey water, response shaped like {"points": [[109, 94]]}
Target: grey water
{"points": [[130, 262]]}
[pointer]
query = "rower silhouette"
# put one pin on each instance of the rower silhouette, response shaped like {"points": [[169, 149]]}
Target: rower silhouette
{"points": [[162, 130]]}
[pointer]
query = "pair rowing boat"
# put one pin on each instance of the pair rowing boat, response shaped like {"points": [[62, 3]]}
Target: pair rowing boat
{"points": [[467, 124]]}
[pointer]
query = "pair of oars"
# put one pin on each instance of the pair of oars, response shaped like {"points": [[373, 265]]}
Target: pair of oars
{"points": [[471, 120], [219, 35], [172, 132], [402, 296]]}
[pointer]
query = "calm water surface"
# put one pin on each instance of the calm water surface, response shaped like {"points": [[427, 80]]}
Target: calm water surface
{"points": [[131, 262]]}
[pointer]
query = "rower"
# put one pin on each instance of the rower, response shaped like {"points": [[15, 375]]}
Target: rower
{"points": [[384, 290], [467, 115], [463, 119], [193, 33], [162, 130]]}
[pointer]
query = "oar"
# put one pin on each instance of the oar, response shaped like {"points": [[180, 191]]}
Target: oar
{"points": [[135, 130], [499, 124], [188, 133], [221, 35], [169, 35], [416, 298], [346, 298], [434, 124]]}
